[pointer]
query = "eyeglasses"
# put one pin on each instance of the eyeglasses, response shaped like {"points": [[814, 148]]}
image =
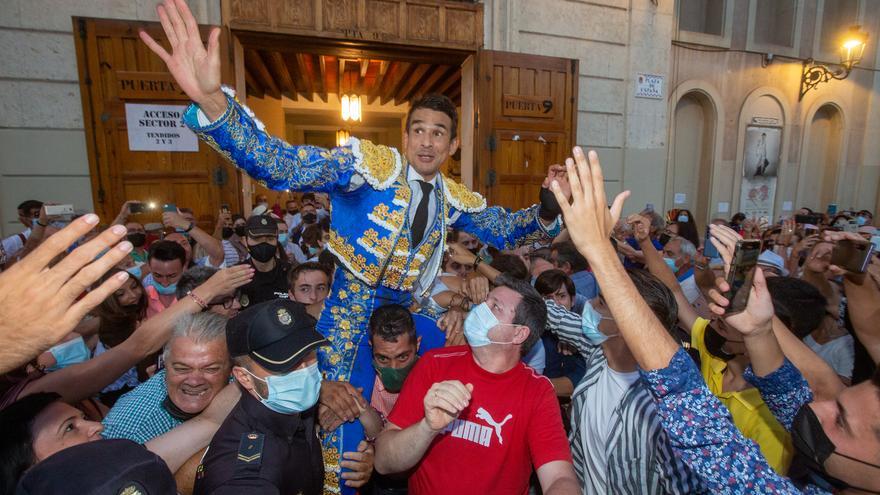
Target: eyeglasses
{"points": [[227, 302]]}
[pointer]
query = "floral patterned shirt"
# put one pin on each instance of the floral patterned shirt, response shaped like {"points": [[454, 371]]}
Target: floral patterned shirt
{"points": [[703, 435]]}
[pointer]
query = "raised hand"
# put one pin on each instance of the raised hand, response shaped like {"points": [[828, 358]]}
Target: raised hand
{"points": [[759, 312], [588, 218], [724, 239], [196, 69], [460, 254], [444, 402], [40, 299]]}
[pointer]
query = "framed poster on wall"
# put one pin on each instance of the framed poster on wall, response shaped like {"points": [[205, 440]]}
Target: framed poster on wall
{"points": [[761, 157]]}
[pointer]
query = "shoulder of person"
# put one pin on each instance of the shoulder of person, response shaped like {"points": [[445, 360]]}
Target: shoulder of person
{"points": [[461, 198], [379, 165]]}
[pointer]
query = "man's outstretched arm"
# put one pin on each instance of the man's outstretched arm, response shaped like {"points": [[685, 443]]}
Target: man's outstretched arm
{"points": [[231, 128]]}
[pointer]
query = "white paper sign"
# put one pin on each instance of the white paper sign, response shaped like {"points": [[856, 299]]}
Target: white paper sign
{"points": [[723, 207], [649, 86], [158, 128], [786, 206], [680, 198]]}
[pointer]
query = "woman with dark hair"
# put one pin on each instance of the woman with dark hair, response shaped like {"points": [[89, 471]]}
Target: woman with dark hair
{"points": [[683, 225], [314, 239], [118, 317]]}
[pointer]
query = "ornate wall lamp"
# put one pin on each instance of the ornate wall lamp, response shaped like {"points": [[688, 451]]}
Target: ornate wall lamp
{"points": [[851, 52]]}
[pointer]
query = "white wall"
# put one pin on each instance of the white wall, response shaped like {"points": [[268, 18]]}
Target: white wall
{"points": [[613, 40], [42, 141]]}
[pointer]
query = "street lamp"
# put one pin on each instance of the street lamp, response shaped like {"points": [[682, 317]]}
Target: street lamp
{"points": [[851, 52]]}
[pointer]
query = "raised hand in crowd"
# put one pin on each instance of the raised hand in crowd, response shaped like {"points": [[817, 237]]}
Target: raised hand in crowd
{"points": [[208, 242], [452, 323], [40, 300], [195, 68], [337, 404], [125, 212]]}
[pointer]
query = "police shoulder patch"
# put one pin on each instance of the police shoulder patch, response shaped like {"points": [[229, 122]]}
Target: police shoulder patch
{"points": [[250, 449]]}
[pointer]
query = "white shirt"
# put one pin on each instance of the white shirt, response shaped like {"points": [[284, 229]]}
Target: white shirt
{"points": [[838, 353], [10, 246], [690, 289], [604, 397]]}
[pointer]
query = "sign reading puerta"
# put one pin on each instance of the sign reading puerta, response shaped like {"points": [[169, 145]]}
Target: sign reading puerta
{"points": [[154, 127]]}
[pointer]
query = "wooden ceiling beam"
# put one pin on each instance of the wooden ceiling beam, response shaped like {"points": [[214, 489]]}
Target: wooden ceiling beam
{"points": [[256, 89], [411, 83], [450, 72], [263, 74], [303, 66], [430, 79], [384, 71], [364, 66], [443, 88], [322, 75], [282, 73], [331, 80], [402, 76]]}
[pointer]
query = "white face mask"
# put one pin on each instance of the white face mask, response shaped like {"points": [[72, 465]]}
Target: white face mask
{"points": [[477, 325]]}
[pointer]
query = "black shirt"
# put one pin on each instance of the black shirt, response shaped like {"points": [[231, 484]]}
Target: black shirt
{"points": [[266, 285], [258, 450]]}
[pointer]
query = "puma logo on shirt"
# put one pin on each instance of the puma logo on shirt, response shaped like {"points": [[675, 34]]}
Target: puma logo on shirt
{"points": [[477, 433]]}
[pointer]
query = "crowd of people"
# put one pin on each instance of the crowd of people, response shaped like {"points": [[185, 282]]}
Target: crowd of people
{"points": [[382, 330]]}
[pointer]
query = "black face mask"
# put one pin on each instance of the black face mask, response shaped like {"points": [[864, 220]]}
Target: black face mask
{"points": [[813, 447], [175, 411], [240, 231], [262, 252], [310, 218], [137, 239], [714, 343], [227, 232], [664, 238]]}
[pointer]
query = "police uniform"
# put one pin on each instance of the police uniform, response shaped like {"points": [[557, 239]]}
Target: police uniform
{"points": [[265, 286], [258, 450]]}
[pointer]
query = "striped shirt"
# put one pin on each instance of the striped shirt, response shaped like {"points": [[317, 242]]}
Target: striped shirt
{"points": [[638, 457]]}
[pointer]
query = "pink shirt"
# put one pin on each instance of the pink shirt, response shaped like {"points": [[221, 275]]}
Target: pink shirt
{"points": [[154, 304], [382, 400]]}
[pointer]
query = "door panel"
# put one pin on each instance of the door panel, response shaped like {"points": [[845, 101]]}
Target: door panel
{"points": [[108, 52], [526, 122]]}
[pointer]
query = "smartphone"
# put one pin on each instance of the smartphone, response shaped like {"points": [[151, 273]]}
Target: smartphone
{"points": [[136, 208], [875, 240], [808, 219], [169, 207], [224, 208], [852, 255], [851, 226], [808, 231], [742, 271], [832, 209], [709, 249], [664, 238], [59, 210]]}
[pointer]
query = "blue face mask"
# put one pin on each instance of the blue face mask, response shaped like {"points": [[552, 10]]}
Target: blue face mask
{"points": [[71, 352], [683, 218], [861, 221], [294, 392], [590, 320], [136, 271], [477, 325], [313, 250], [671, 264], [164, 290], [282, 238]]}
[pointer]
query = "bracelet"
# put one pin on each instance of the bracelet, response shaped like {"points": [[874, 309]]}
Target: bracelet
{"points": [[201, 302], [191, 226]]}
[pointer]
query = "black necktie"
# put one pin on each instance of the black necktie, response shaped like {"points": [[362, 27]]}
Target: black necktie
{"points": [[421, 219]]}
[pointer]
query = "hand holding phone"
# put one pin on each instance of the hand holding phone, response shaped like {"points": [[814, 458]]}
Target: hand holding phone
{"points": [[169, 207], [741, 274], [851, 255]]}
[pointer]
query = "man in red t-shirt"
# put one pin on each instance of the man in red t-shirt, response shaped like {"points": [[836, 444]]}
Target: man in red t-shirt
{"points": [[477, 420]]}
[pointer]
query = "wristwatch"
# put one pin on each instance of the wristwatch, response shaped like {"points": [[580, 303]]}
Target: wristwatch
{"points": [[191, 226], [477, 262]]}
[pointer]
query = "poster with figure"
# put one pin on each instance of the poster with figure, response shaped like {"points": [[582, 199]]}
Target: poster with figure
{"points": [[762, 151]]}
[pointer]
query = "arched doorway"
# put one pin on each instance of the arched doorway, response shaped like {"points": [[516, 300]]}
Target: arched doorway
{"points": [[818, 184], [692, 153]]}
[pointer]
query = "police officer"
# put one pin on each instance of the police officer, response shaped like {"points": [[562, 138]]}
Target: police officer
{"points": [[269, 443]]}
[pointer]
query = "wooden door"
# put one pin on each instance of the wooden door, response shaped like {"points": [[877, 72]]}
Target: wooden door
{"points": [[110, 55], [527, 111]]}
